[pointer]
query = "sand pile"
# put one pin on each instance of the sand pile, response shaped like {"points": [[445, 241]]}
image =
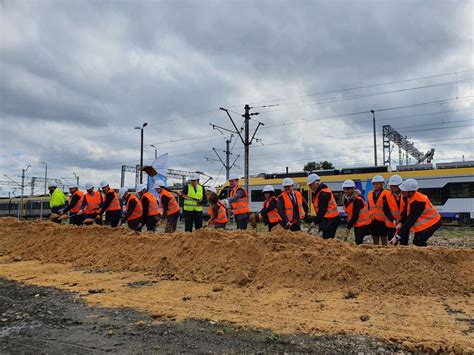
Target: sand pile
{"points": [[279, 259]]}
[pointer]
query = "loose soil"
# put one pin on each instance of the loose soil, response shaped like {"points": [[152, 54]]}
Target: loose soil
{"points": [[39, 319], [288, 282]]}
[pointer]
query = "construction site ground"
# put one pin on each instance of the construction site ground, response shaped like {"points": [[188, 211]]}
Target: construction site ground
{"points": [[103, 289]]}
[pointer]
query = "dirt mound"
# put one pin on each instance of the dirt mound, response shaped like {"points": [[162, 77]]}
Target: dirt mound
{"points": [[277, 259]]}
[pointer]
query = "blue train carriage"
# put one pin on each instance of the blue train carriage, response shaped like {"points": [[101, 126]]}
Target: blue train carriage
{"points": [[450, 186]]}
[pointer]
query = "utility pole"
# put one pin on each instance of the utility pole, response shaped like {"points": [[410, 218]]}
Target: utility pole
{"points": [[77, 179], [156, 150], [227, 157], [45, 186], [20, 206], [227, 165], [141, 150], [375, 137], [246, 140]]}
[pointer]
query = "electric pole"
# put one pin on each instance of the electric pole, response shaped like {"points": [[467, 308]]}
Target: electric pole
{"points": [[375, 137], [227, 166], [20, 206], [246, 140], [141, 150], [45, 186], [77, 179]]}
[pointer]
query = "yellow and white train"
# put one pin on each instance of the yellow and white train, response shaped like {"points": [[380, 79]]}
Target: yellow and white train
{"points": [[450, 186]]}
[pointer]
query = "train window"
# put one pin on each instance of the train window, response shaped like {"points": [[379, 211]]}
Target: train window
{"points": [[460, 190], [436, 195], [338, 197], [257, 195]]}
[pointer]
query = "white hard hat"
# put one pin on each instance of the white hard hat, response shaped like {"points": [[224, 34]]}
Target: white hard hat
{"points": [[194, 177], [395, 180], [348, 184], [103, 184], [122, 191], [287, 182], [409, 185], [312, 178], [234, 177], [72, 186], [140, 187], [268, 188], [212, 189], [378, 178], [158, 184], [89, 186], [53, 184]]}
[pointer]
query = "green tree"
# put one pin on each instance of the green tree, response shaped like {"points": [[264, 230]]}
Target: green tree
{"points": [[322, 165]]}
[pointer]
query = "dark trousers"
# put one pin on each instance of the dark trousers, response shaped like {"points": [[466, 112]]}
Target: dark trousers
{"points": [[220, 225], [360, 233], [271, 225], [92, 216], [113, 217], [329, 227], [171, 223], [151, 222], [75, 219], [134, 224], [391, 233], [295, 227], [192, 218], [420, 239], [242, 220]]}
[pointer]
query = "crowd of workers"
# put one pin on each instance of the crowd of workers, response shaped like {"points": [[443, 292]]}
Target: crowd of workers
{"points": [[388, 215]]}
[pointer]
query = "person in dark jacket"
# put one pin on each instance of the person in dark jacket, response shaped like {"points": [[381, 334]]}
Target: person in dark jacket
{"points": [[269, 212], [325, 206], [292, 207], [151, 210], [419, 216], [358, 213], [133, 210], [74, 206], [110, 206], [169, 205]]}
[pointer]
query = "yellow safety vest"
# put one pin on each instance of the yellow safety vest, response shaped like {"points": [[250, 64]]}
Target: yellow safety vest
{"points": [[192, 205]]}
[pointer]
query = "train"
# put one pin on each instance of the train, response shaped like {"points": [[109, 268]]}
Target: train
{"points": [[450, 186]]}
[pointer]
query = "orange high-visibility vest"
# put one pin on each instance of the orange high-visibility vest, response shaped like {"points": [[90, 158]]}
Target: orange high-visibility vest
{"points": [[242, 204], [394, 208], [138, 210], [221, 214], [92, 202], [289, 205], [115, 204], [376, 209], [153, 208], [365, 217], [77, 206], [428, 218], [273, 215], [332, 205], [172, 204]]}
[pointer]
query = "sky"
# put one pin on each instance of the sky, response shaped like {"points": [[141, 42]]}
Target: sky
{"points": [[76, 77]]}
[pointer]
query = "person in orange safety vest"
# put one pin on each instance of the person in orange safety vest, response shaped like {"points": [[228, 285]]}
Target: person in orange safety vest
{"points": [[111, 206], [133, 210], [238, 201], [325, 206], [269, 213], [419, 216]]}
